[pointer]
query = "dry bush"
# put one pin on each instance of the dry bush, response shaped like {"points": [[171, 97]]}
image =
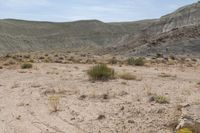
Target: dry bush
{"points": [[165, 75], [171, 62], [113, 61], [54, 103], [26, 66], [127, 76], [9, 62], [160, 99], [137, 62]]}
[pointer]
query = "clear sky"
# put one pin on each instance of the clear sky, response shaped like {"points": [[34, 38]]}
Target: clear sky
{"points": [[104, 10]]}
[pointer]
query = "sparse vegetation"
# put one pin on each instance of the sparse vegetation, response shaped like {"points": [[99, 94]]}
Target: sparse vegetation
{"points": [[131, 61], [172, 57], [164, 75], [9, 62], [101, 72], [26, 66], [113, 61], [127, 76], [27, 56], [160, 99], [171, 62], [124, 83], [159, 55], [138, 61], [54, 103]]}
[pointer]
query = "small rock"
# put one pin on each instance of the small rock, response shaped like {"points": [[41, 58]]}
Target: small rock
{"points": [[122, 108], [131, 121], [100, 117], [82, 97]]}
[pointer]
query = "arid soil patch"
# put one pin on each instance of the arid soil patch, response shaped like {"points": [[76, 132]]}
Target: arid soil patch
{"points": [[83, 106]]}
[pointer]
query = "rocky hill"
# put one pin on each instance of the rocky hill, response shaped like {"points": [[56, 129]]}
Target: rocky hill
{"points": [[175, 33]]}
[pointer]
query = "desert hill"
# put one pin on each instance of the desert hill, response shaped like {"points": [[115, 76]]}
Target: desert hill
{"points": [[175, 33]]}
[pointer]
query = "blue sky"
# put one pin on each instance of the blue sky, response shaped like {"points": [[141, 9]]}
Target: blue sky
{"points": [[104, 10]]}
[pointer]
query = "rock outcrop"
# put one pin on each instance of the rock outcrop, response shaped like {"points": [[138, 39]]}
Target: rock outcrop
{"points": [[190, 118]]}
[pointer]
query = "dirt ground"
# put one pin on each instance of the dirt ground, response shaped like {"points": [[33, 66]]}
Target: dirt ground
{"points": [[115, 106]]}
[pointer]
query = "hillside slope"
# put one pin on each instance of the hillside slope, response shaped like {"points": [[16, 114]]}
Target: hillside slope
{"points": [[175, 33], [19, 35]]}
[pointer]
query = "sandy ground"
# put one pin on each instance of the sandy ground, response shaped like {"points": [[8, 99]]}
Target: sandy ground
{"points": [[116, 106]]}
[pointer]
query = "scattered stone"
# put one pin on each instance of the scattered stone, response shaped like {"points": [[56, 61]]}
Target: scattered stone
{"points": [[100, 117], [190, 118], [82, 97], [131, 121]]}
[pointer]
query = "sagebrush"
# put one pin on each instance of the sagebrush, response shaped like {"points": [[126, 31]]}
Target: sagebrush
{"points": [[101, 72]]}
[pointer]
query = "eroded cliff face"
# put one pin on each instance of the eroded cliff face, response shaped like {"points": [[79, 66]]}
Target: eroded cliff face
{"points": [[185, 16], [176, 33]]}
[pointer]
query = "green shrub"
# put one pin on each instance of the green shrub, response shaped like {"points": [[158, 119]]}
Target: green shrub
{"points": [[138, 61], [131, 61], [101, 72], [160, 99], [26, 66]]}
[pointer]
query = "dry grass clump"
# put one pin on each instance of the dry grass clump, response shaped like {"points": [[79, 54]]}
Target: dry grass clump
{"points": [[160, 99], [127, 76], [171, 62], [101, 72], [113, 61], [26, 66], [9, 62], [165, 75], [54, 103], [136, 61]]}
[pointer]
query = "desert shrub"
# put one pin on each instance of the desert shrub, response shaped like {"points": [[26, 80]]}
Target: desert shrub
{"points": [[172, 57], [131, 61], [160, 99], [26, 66], [113, 60], [27, 56], [165, 75], [159, 55], [54, 103], [8, 56], [171, 62], [127, 76], [138, 61], [41, 57], [31, 60], [9, 62], [101, 72]]}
